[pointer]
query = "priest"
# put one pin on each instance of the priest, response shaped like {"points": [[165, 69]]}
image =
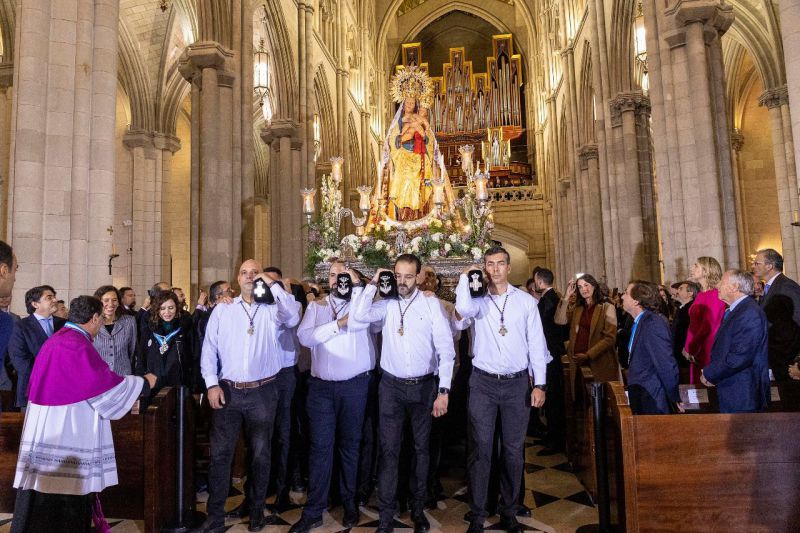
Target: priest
{"points": [[66, 454]]}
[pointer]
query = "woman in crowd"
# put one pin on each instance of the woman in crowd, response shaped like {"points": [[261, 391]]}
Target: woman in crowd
{"points": [[165, 345], [592, 327], [705, 315], [666, 303], [116, 342]]}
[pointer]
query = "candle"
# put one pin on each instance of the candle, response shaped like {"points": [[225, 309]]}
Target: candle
{"points": [[466, 152], [308, 201], [363, 197], [336, 168], [438, 191], [481, 188]]}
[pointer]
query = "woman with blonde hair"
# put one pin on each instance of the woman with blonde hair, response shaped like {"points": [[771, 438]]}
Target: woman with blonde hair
{"points": [[705, 315]]}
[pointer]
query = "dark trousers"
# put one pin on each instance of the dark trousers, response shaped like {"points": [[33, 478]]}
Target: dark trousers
{"points": [[368, 457], [298, 452], [38, 512], [489, 397], [336, 416], [285, 384], [396, 403], [554, 406], [256, 409]]}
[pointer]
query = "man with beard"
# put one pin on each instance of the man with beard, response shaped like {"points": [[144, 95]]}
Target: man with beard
{"points": [[417, 345]]}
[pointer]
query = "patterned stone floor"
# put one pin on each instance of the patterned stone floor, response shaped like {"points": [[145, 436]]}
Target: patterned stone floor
{"points": [[558, 500]]}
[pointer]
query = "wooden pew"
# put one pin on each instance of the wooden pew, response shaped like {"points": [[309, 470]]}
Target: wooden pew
{"points": [[146, 452], [705, 471]]}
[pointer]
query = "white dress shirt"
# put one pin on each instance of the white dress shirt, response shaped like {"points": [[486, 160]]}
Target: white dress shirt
{"points": [[426, 345], [337, 354], [523, 346], [246, 357]]}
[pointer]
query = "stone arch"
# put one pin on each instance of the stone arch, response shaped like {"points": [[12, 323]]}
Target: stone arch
{"points": [[751, 31], [284, 76], [586, 123], [133, 76], [353, 159], [215, 22], [324, 103], [7, 22], [620, 46]]}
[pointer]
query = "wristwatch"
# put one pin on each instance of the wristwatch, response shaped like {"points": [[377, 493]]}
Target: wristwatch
{"points": [[542, 388], [444, 390]]}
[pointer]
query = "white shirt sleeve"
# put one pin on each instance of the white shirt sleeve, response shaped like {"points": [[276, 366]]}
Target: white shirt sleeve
{"points": [[288, 314], [310, 334], [209, 354], [538, 356], [363, 309], [442, 341], [466, 305], [117, 402]]}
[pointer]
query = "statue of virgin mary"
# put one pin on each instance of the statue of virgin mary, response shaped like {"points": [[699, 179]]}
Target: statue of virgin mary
{"points": [[411, 162]]}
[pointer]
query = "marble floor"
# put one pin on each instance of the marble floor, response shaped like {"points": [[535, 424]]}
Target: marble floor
{"points": [[558, 500]]}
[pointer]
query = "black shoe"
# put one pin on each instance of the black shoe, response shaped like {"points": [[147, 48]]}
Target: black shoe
{"points": [[469, 517], [305, 524], [258, 523], [282, 503], [384, 527], [351, 517], [524, 511], [421, 524], [240, 511], [511, 525], [547, 451], [476, 526], [211, 526]]}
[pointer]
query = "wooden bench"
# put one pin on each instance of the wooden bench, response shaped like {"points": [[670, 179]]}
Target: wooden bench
{"points": [[706, 471], [145, 446]]}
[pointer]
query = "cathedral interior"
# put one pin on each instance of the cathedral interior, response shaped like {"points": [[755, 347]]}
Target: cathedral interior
{"points": [[170, 139]]}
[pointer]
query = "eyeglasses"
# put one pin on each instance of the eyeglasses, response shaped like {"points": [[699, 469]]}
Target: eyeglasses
{"points": [[759, 263]]}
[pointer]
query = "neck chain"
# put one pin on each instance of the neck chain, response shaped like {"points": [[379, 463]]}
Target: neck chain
{"points": [[502, 312], [334, 309], [252, 329], [404, 311]]}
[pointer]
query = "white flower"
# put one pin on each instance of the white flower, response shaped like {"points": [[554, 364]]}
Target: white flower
{"points": [[447, 247], [453, 237], [360, 257], [415, 241], [415, 248], [437, 237], [476, 252], [380, 245], [435, 253]]}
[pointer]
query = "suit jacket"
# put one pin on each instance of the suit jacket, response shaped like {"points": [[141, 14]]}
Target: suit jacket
{"points": [[680, 328], [554, 334], [782, 307], [652, 371], [739, 365], [26, 340]]}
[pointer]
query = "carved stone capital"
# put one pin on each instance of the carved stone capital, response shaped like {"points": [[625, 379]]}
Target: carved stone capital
{"points": [[225, 78], [636, 102], [137, 139], [277, 129], [164, 141], [563, 185], [712, 13], [585, 153], [774, 97], [202, 55], [737, 140], [6, 75]]}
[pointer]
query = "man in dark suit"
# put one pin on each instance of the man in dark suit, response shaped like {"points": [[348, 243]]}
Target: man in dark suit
{"points": [[652, 370], [781, 304], [687, 290], [8, 274], [554, 335], [739, 365], [30, 333]]}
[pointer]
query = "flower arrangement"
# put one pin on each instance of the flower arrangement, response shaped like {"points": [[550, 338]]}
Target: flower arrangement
{"points": [[441, 237]]}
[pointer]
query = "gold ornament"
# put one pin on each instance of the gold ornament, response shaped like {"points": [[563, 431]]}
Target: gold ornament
{"points": [[412, 82]]}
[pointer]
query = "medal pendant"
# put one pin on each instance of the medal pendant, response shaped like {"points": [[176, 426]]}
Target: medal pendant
{"points": [[251, 330], [163, 348], [400, 331], [503, 331]]}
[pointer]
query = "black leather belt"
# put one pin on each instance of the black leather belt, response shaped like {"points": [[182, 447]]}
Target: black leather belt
{"points": [[409, 381], [241, 385], [513, 375]]}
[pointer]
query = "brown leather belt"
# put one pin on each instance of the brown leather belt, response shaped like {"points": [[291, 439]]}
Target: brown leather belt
{"points": [[240, 385]]}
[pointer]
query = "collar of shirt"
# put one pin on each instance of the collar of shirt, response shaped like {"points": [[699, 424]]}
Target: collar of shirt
{"points": [[40, 318], [736, 302], [772, 279], [639, 316]]}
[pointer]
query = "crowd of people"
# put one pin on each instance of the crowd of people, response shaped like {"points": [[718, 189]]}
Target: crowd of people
{"points": [[359, 387]]}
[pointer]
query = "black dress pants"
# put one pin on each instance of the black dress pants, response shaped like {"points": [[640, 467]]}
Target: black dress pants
{"points": [[398, 401], [488, 398], [255, 408], [38, 512], [285, 383], [554, 406]]}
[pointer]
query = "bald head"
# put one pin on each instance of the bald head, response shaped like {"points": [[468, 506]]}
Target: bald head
{"points": [[247, 274]]}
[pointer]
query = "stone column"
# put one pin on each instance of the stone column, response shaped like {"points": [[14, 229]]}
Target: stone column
{"points": [[166, 145], [695, 182], [595, 261], [6, 81], [737, 142], [206, 64], [62, 168], [303, 36], [790, 31], [777, 102], [310, 175], [286, 243]]}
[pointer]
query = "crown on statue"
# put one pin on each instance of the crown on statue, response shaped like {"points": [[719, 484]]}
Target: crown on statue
{"points": [[412, 82]]}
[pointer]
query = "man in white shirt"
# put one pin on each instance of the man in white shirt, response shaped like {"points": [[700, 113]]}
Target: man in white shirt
{"points": [[417, 345], [242, 338], [509, 353], [342, 357]]}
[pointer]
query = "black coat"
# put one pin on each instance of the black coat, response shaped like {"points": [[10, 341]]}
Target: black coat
{"points": [[26, 341], [177, 366], [555, 335], [680, 328], [652, 371], [782, 307]]}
